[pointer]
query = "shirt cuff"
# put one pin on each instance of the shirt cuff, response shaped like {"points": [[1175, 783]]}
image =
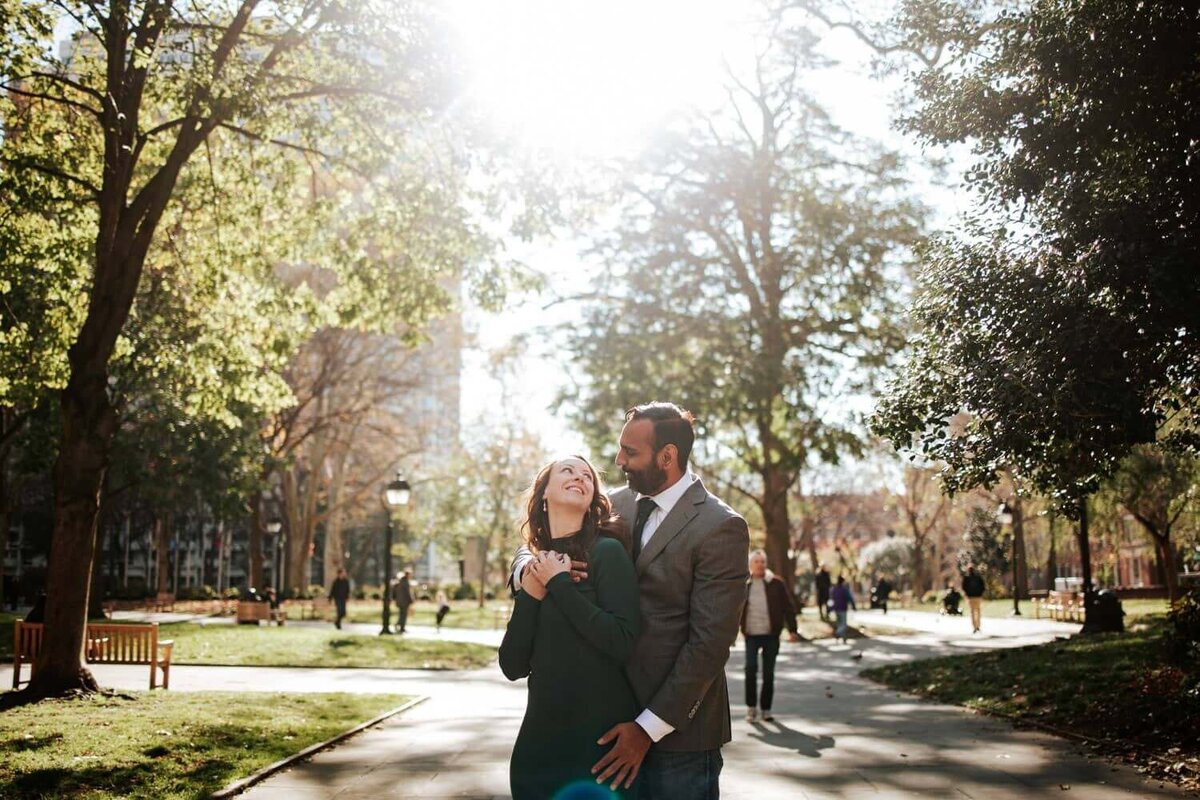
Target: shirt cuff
{"points": [[653, 725]]}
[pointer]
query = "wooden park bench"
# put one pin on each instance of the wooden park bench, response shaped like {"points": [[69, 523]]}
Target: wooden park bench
{"points": [[106, 644], [317, 608], [1065, 606], [257, 611]]}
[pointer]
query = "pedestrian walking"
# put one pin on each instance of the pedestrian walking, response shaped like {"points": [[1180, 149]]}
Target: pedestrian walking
{"points": [[823, 584], [402, 594], [973, 587], [842, 600], [340, 593], [768, 609], [443, 604], [883, 590]]}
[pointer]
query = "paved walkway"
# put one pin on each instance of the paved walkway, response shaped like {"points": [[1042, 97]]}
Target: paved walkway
{"points": [[836, 735]]}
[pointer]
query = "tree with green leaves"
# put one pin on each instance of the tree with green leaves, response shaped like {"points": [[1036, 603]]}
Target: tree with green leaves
{"points": [[1057, 326], [752, 278], [890, 556], [1157, 486], [159, 94], [984, 547]]}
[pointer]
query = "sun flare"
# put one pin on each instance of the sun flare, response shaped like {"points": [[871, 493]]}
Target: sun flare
{"points": [[591, 79]]}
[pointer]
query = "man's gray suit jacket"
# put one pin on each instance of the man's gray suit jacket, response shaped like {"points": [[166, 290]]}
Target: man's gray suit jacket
{"points": [[692, 577]]}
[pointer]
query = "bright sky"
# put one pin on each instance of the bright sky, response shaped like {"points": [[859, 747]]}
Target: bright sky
{"points": [[581, 82]]}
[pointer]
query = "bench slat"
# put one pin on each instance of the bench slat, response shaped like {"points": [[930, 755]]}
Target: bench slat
{"points": [[105, 644]]}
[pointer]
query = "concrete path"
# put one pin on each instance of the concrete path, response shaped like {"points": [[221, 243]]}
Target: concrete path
{"points": [[836, 735]]}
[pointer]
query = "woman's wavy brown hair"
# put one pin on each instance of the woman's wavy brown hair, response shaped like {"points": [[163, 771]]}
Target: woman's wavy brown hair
{"points": [[598, 520]]}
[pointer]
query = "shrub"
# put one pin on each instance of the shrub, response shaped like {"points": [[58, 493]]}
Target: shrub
{"points": [[464, 591], [1184, 635]]}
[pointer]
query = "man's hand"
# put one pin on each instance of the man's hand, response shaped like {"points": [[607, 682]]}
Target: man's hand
{"points": [[623, 761], [793, 636]]}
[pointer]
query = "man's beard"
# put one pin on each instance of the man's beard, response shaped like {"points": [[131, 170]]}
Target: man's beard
{"points": [[648, 481]]}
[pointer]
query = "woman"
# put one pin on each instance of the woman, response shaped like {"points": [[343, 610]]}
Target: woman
{"points": [[571, 639], [768, 608], [842, 600]]}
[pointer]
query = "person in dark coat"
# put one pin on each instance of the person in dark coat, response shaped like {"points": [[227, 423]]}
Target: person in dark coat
{"points": [[768, 609], [340, 593], [951, 601], [883, 590], [973, 587], [402, 594], [823, 584]]}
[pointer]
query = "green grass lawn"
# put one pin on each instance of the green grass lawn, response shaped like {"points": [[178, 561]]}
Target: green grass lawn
{"points": [[463, 613], [1119, 687], [165, 744], [1000, 607], [294, 646]]}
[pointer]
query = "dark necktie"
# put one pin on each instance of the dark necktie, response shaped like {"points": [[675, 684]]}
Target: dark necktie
{"points": [[645, 507]]}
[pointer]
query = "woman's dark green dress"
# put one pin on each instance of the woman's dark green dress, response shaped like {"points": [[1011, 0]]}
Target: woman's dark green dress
{"points": [[573, 645]]}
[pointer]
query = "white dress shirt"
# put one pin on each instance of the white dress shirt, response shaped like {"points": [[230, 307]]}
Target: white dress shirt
{"points": [[664, 501]]}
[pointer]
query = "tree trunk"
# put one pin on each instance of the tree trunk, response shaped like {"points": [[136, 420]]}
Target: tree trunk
{"points": [[1020, 563], [1085, 558], [1166, 555], [333, 553], [778, 526], [1052, 558], [162, 544], [919, 573], [5, 506], [89, 421]]}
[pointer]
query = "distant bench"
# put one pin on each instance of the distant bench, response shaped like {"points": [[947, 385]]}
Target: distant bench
{"points": [[1065, 606], [106, 644]]}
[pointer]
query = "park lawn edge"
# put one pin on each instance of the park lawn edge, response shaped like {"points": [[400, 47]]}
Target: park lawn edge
{"points": [[1172, 761], [241, 785]]}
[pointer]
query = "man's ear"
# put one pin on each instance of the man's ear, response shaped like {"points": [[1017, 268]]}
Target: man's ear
{"points": [[667, 456]]}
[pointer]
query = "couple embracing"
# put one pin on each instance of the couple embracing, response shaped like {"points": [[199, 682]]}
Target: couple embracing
{"points": [[625, 610]]}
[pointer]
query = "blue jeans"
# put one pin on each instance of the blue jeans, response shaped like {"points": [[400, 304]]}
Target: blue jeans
{"points": [[770, 649], [681, 776], [840, 632]]}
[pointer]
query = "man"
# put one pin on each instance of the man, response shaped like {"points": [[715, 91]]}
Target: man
{"points": [[883, 590], [768, 609], [402, 594], [340, 592], [973, 588], [690, 554], [823, 584]]}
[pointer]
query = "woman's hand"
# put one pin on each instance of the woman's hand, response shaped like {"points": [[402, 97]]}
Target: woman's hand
{"points": [[530, 584], [547, 565]]}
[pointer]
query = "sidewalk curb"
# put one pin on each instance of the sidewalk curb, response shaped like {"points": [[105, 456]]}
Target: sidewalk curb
{"points": [[239, 786]]}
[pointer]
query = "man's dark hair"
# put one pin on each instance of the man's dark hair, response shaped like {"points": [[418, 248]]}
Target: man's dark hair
{"points": [[672, 425]]}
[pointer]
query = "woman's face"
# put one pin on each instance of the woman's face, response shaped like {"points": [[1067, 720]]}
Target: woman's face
{"points": [[571, 485]]}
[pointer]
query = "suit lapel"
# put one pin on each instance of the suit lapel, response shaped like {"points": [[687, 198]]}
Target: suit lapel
{"points": [[684, 512]]}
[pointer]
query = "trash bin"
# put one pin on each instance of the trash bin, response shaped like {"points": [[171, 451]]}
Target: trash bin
{"points": [[1108, 615]]}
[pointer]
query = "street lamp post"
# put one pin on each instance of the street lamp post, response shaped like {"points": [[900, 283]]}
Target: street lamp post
{"points": [[395, 496], [1004, 516], [273, 528]]}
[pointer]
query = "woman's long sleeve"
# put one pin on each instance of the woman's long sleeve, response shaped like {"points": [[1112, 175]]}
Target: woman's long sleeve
{"points": [[613, 622], [516, 650]]}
